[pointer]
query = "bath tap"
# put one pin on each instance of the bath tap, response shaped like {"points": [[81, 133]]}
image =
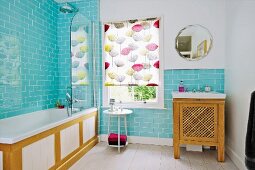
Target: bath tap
{"points": [[70, 102]]}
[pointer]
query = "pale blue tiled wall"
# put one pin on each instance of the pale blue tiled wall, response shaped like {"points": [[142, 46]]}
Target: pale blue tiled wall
{"points": [[32, 25], [158, 123], [90, 9]]}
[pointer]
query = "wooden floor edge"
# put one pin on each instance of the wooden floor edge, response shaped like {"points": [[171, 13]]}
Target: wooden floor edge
{"points": [[77, 156]]}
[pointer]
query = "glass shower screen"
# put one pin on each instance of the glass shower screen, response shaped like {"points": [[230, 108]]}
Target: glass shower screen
{"points": [[81, 62]]}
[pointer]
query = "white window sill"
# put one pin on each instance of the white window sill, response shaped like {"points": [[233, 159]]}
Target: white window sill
{"points": [[137, 107]]}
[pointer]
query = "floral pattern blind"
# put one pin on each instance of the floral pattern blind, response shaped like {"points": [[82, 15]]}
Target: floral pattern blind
{"points": [[132, 53], [79, 50]]}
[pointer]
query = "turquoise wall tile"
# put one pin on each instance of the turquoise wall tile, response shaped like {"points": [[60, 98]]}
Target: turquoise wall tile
{"points": [[30, 25], [159, 123]]}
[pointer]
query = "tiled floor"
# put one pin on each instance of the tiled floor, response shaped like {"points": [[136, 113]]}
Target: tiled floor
{"points": [[149, 157]]}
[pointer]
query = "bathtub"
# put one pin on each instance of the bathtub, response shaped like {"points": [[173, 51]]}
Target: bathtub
{"points": [[50, 131]]}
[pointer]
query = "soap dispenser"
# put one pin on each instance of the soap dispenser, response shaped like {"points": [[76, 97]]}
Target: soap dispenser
{"points": [[181, 87]]}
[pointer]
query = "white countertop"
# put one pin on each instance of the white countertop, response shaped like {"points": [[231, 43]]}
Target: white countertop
{"points": [[199, 95]]}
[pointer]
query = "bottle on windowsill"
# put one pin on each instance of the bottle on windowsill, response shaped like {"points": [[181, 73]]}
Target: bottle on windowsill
{"points": [[181, 87]]}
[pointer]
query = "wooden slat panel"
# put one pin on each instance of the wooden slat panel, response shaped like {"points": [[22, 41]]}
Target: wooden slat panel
{"points": [[69, 139], [81, 132], [12, 160], [198, 122], [57, 147], [73, 157], [1, 160], [39, 155]]}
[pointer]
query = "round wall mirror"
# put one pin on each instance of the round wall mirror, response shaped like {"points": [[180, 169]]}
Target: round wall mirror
{"points": [[193, 42]]}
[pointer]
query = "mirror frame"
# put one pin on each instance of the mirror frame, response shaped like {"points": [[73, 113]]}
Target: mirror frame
{"points": [[180, 32]]}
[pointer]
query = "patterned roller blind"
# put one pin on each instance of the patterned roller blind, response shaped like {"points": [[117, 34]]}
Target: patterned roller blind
{"points": [[131, 53]]}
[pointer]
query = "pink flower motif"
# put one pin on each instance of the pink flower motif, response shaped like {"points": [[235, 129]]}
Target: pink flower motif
{"points": [[156, 24], [106, 65], [137, 67], [156, 64], [152, 47], [137, 27], [125, 51], [106, 27]]}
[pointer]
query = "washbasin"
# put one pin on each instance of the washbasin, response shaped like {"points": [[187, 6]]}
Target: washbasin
{"points": [[199, 95]]}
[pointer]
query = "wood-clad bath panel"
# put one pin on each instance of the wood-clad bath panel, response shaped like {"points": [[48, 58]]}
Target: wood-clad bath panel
{"points": [[56, 148], [69, 138], [1, 160], [89, 128], [39, 155]]}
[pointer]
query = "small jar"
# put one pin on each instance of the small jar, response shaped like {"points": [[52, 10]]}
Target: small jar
{"points": [[207, 88]]}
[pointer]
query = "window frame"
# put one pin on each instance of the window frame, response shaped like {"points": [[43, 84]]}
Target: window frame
{"points": [[160, 95]]}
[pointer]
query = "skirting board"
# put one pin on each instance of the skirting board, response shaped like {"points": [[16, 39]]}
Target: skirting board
{"points": [[144, 140], [237, 160]]}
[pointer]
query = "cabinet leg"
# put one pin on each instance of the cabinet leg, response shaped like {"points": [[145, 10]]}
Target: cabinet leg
{"points": [[221, 153], [176, 134], [221, 134], [176, 150]]}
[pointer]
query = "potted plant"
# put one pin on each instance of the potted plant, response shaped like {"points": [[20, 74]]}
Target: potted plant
{"points": [[59, 105]]}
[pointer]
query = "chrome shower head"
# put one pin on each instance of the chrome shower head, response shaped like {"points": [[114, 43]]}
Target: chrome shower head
{"points": [[68, 8]]}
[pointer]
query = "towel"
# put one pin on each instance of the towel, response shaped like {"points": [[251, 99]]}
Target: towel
{"points": [[113, 139], [250, 136]]}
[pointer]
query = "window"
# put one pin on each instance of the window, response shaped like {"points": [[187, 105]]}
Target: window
{"points": [[132, 71]]}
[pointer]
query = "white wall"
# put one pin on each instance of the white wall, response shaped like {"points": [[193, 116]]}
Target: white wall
{"points": [[176, 15], [240, 74]]}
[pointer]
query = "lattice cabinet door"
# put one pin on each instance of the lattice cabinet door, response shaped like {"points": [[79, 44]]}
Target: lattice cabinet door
{"points": [[198, 122]]}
